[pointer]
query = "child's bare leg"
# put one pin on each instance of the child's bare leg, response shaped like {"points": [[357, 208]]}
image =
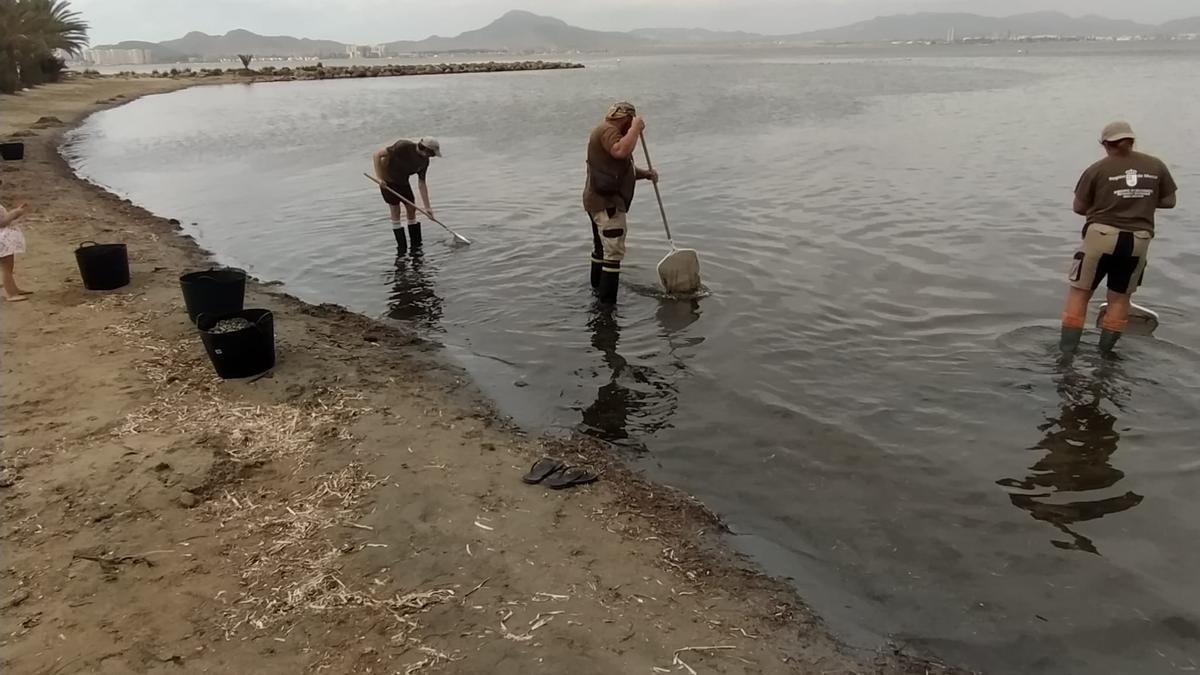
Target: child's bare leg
{"points": [[11, 292]]}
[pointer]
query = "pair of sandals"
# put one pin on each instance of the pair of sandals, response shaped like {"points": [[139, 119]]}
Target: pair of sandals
{"points": [[556, 475]]}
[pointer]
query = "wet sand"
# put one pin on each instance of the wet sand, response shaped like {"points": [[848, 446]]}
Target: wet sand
{"points": [[358, 510]]}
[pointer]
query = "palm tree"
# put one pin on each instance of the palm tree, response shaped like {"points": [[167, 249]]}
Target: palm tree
{"points": [[30, 32]]}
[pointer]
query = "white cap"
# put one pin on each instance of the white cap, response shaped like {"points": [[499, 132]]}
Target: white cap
{"points": [[432, 145]]}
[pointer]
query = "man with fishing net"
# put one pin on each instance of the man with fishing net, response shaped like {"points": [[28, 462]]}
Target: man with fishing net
{"points": [[393, 167], [1118, 195], [608, 193]]}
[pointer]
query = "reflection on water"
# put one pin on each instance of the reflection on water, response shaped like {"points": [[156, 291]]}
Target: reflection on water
{"points": [[883, 240], [630, 390], [1079, 443], [412, 298]]}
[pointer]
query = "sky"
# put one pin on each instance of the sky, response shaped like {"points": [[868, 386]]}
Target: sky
{"points": [[374, 21]]}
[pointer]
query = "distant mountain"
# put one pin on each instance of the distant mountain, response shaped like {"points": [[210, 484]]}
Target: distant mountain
{"points": [[935, 26], [519, 31], [683, 36], [207, 47], [1182, 26]]}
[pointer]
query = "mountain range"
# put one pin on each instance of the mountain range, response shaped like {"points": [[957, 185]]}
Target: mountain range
{"points": [[524, 32]]}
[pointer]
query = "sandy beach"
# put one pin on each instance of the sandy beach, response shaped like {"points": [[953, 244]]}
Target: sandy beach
{"points": [[358, 510]]}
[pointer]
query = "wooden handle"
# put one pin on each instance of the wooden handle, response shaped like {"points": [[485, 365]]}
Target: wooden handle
{"points": [[427, 214], [402, 198], [661, 209]]}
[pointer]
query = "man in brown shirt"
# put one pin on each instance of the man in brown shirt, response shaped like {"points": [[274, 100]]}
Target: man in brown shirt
{"points": [[608, 193], [393, 167], [1119, 196]]}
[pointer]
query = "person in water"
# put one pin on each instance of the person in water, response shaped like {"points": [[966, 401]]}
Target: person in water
{"points": [[608, 193], [393, 167], [1118, 196]]}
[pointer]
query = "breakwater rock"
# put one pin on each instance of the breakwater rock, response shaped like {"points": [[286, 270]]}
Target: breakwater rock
{"points": [[320, 71]]}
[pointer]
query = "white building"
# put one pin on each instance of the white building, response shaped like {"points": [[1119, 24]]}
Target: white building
{"points": [[366, 51], [118, 57]]}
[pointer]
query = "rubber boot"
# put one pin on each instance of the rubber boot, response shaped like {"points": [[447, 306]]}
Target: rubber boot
{"points": [[609, 283], [414, 235], [596, 267], [1108, 340], [1069, 342], [401, 240]]}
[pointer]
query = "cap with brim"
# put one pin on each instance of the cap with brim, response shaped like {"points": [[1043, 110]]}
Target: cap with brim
{"points": [[432, 145], [621, 110], [1117, 131]]}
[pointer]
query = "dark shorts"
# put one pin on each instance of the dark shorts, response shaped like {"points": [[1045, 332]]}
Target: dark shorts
{"points": [[403, 188]]}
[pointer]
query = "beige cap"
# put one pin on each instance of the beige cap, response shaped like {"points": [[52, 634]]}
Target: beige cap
{"points": [[432, 145], [1117, 131], [620, 110]]}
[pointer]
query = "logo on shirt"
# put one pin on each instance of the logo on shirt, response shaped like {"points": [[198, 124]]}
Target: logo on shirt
{"points": [[1132, 179]]}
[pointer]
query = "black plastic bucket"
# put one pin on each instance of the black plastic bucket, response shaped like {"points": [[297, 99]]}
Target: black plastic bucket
{"points": [[12, 150], [239, 353], [103, 266], [213, 292]]}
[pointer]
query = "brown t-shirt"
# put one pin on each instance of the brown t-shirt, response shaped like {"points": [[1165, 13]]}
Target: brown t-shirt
{"points": [[403, 160], [1124, 192], [610, 181]]}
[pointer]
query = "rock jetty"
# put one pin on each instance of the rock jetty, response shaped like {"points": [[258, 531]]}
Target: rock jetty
{"points": [[322, 72]]}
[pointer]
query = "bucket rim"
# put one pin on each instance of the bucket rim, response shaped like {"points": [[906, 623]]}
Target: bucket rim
{"points": [[215, 318], [200, 274], [91, 243]]}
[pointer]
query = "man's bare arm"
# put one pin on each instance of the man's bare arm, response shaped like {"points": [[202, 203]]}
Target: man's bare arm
{"points": [[380, 161], [623, 149], [423, 188]]}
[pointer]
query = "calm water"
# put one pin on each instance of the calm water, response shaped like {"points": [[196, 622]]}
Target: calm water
{"points": [[870, 395]]}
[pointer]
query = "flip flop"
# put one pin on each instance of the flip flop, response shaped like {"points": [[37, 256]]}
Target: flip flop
{"points": [[541, 469], [17, 298], [570, 477]]}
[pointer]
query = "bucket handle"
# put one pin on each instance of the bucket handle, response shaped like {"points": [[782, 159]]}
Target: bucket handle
{"points": [[89, 241], [258, 322]]}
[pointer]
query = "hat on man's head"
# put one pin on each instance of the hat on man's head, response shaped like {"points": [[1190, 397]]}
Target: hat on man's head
{"points": [[1117, 131], [432, 145], [620, 110]]}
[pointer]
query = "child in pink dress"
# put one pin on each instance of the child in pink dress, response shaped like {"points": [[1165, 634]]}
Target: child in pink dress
{"points": [[12, 242]]}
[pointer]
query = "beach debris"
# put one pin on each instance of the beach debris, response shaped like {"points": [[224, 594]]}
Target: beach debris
{"points": [[15, 600], [472, 591], [433, 658], [537, 622], [109, 562], [46, 122], [679, 663]]}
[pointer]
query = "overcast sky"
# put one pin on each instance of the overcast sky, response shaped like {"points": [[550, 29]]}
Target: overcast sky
{"points": [[370, 21]]}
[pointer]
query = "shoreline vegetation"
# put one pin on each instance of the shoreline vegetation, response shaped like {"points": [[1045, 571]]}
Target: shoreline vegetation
{"points": [[358, 510], [320, 71]]}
